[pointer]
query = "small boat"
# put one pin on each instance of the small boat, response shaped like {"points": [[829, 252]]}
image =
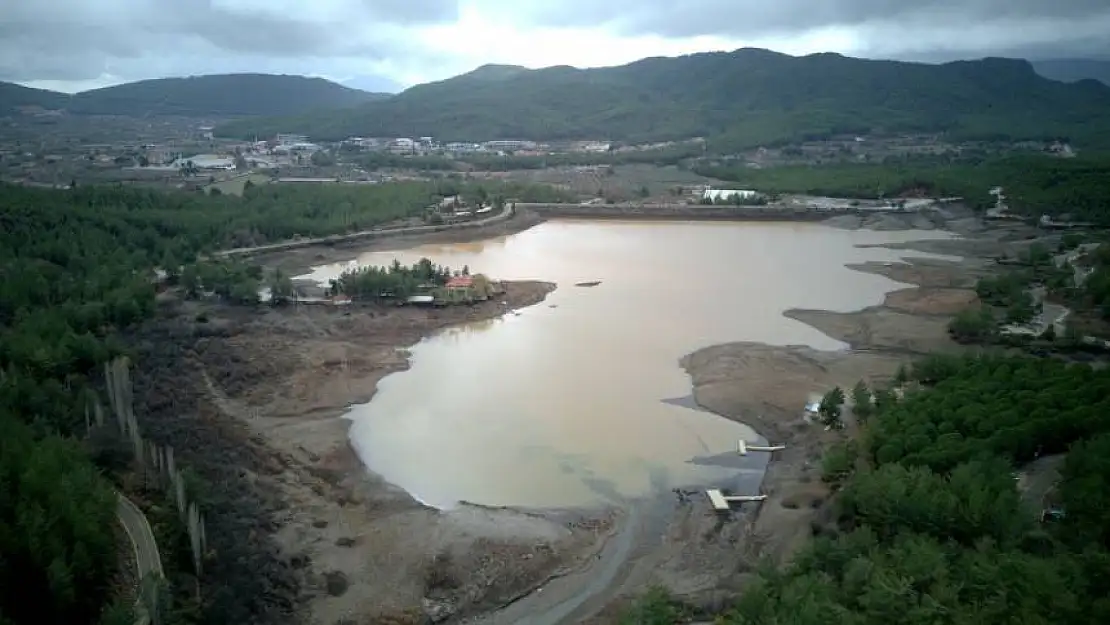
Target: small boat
{"points": [[590, 283]]}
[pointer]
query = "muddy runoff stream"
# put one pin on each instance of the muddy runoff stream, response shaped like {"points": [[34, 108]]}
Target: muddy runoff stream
{"points": [[580, 401]]}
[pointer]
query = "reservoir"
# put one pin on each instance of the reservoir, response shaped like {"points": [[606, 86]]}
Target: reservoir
{"points": [[580, 400]]}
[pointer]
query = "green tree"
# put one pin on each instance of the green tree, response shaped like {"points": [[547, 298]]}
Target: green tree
{"points": [[902, 375], [861, 402], [976, 325], [281, 288], [829, 410]]}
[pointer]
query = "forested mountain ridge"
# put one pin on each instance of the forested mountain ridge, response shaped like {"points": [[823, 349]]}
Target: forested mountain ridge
{"points": [[737, 99], [13, 96], [217, 95]]}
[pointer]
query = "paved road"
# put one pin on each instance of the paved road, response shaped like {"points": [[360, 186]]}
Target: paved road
{"points": [[505, 213], [142, 538], [148, 561]]}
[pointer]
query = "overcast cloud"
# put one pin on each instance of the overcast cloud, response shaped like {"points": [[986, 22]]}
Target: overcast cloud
{"points": [[78, 44]]}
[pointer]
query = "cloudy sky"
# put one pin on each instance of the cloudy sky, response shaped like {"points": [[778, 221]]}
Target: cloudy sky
{"points": [[70, 45]]}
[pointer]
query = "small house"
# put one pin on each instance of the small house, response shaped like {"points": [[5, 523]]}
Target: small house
{"points": [[459, 283]]}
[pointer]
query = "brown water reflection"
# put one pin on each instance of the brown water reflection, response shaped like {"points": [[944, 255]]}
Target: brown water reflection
{"points": [[564, 406]]}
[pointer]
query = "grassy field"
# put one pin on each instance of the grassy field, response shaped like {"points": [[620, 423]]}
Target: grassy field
{"points": [[619, 183], [235, 185]]}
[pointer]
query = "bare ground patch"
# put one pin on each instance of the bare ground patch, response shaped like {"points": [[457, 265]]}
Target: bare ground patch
{"points": [[931, 301], [252, 400]]}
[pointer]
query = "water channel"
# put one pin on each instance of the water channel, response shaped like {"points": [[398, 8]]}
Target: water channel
{"points": [[580, 400]]}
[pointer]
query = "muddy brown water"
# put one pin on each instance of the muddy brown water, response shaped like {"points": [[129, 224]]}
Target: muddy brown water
{"points": [[580, 400]]}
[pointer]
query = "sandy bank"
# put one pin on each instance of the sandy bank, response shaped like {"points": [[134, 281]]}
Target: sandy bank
{"points": [[252, 400], [705, 559]]}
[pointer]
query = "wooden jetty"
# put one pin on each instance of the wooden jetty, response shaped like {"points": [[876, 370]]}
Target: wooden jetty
{"points": [[744, 448], [724, 502]]}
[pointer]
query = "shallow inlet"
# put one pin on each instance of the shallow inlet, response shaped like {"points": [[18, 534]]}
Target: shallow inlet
{"points": [[580, 400]]}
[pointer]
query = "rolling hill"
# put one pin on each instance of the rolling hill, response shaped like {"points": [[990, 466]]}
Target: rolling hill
{"points": [[1074, 70], [218, 95], [743, 98], [13, 96]]}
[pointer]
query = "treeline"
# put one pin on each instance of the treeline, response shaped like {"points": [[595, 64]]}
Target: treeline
{"points": [[77, 267], [375, 160], [1033, 184], [930, 525], [394, 281], [1082, 284], [1095, 293], [668, 155]]}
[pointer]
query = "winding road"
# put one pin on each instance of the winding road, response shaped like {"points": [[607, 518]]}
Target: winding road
{"points": [[148, 562], [506, 212]]}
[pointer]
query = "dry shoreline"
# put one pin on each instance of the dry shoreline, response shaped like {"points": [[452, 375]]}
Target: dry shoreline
{"points": [[254, 401], [275, 384], [765, 387]]}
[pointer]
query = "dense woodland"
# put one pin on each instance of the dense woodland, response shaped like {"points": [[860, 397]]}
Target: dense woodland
{"points": [[1006, 298], [1033, 184], [76, 268], [928, 526], [736, 100]]}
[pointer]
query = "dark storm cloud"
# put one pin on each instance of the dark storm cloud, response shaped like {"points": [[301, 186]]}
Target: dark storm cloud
{"points": [[758, 18], [71, 40]]}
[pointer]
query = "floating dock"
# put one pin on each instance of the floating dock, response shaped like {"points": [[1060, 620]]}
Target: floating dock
{"points": [[724, 502], [743, 447]]}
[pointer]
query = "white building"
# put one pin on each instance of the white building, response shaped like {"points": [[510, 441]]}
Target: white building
{"points": [[595, 147], [402, 145], [288, 139], [499, 145], [207, 162], [727, 195]]}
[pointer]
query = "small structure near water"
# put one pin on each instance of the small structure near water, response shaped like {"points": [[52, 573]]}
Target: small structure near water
{"points": [[722, 502], [744, 448]]}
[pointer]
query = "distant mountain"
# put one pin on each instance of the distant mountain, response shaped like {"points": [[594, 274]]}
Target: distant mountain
{"points": [[743, 98], [1074, 70], [493, 72], [219, 95], [374, 84], [13, 96]]}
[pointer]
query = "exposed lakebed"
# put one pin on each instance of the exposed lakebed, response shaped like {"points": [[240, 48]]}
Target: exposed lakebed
{"points": [[582, 401]]}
